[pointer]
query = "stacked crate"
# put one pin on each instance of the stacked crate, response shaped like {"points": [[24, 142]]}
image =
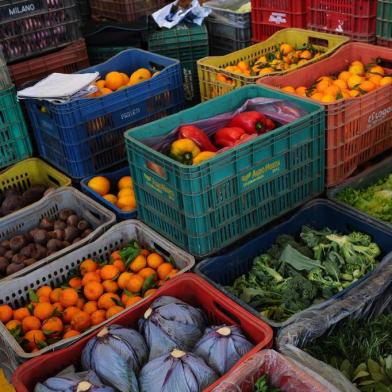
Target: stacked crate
{"points": [[384, 23]]}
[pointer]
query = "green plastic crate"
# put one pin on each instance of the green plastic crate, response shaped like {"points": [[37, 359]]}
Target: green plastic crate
{"points": [[384, 19], [98, 55], [207, 207], [187, 43], [14, 140]]}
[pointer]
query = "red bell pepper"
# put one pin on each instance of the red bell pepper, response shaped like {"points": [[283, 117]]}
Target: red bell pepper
{"points": [[198, 136], [227, 137], [251, 122]]}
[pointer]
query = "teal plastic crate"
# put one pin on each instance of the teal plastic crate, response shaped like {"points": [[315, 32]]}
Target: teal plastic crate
{"points": [[207, 207], [14, 140], [187, 43], [384, 19]]}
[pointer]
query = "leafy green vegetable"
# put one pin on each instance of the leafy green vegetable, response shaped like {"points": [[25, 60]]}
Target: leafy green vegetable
{"points": [[261, 385], [375, 200], [296, 273], [130, 252], [361, 350]]}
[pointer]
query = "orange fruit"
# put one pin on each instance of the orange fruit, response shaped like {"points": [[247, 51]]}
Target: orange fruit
{"points": [[327, 98], [100, 83], [135, 283], [164, 270], [123, 279], [110, 198], [19, 314], [367, 86], [172, 273], [125, 182], [104, 91], [114, 310], [34, 337], [109, 272], [69, 297], [81, 321], [91, 277], [344, 75], [126, 204], [43, 310], [90, 307], [332, 90], [110, 286], [377, 70], [75, 283], [132, 300], [58, 307], [80, 303], [70, 334], [31, 322], [43, 298], [93, 290], [12, 325], [6, 313], [243, 65], [150, 292], [120, 265], [301, 91], [125, 193], [385, 80], [146, 272], [346, 93], [138, 263], [116, 255], [44, 291], [108, 300], [285, 48], [69, 313], [317, 96], [354, 93], [87, 265], [322, 85], [114, 80], [354, 81], [376, 79], [55, 295], [306, 54], [340, 83], [125, 78], [357, 69], [52, 326], [288, 89], [138, 76], [145, 252], [99, 184], [98, 317]]}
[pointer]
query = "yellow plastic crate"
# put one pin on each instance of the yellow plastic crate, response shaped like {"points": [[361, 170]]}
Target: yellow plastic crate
{"points": [[208, 67], [31, 172]]}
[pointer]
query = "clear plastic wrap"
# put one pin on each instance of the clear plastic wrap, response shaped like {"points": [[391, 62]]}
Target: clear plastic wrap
{"points": [[282, 372], [371, 298]]}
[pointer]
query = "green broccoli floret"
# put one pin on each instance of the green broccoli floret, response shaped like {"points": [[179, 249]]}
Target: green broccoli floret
{"points": [[260, 266], [328, 286]]}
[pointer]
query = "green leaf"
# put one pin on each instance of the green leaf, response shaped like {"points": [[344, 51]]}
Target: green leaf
{"points": [[361, 367], [128, 293], [149, 283], [48, 332], [375, 370], [33, 297], [346, 368], [361, 374], [117, 302], [172, 261], [30, 308], [41, 345], [297, 260]]}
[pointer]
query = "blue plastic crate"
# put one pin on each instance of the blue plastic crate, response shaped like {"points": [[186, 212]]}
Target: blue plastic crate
{"points": [[207, 207], [113, 177], [85, 136], [223, 270]]}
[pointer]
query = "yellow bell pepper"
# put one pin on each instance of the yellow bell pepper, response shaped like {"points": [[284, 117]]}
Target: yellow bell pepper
{"points": [[203, 156], [184, 150]]}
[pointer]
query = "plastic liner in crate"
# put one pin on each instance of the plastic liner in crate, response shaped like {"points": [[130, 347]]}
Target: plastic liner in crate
{"points": [[228, 27], [270, 16], [187, 43], [188, 288], [206, 207], [28, 218], [124, 10], [282, 372], [384, 19], [355, 19], [70, 59], [27, 34], [85, 136], [363, 180], [222, 270], [371, 298], [358, 129], [210, 67], [113, 177], [14, 139], [15, 292]]}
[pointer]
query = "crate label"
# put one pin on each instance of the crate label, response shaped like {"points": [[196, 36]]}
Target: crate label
{"points": [[159, 187], [278, 18], [13, 11], [261, 173], [377, 117]]}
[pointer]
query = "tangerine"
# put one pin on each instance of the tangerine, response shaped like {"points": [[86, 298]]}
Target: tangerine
{"points": [[123, 279], [345, 75], [81, 321], [132, 300], [43, 310], [120, 265], [88, 265], [98, 317], [164, 270], [13, 325], [386, 80], [108, 300], [69, 297], [31, 322], [113, 310], [93, 290], [109, 272], [44, 291], [138, 263], [114, 80], [154, 260], [69, 313], [110, 286], [34, 338], [6, 313], [99, 184], [71, 333], [110, 198], [90, 307], [55, 295], [138, 76], [52, 326], [91, 277], [149, 292], [125, 182], [75, 283], [135, 283], [146, 272]]}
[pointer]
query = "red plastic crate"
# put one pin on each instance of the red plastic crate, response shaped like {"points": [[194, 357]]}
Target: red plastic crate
{"points": [[67, 60], [357, 129], [384, 42], [270, 16], [189, 288], [356, 19]]}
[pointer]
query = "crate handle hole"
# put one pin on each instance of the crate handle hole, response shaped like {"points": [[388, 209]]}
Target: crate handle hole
{"points": [[2, 118], [318, 41], [385, 63], [227, 313], [54, 180], [156, 169], [161, 250]]}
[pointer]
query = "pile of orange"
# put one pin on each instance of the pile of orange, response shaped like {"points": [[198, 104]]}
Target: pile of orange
{"points": [[352, 82], [123, 197], [283, 58], [96, 293], [115, 81]]}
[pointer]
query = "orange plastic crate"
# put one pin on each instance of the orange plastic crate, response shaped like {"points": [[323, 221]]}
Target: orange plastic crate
{"points": [[357, 129]]}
